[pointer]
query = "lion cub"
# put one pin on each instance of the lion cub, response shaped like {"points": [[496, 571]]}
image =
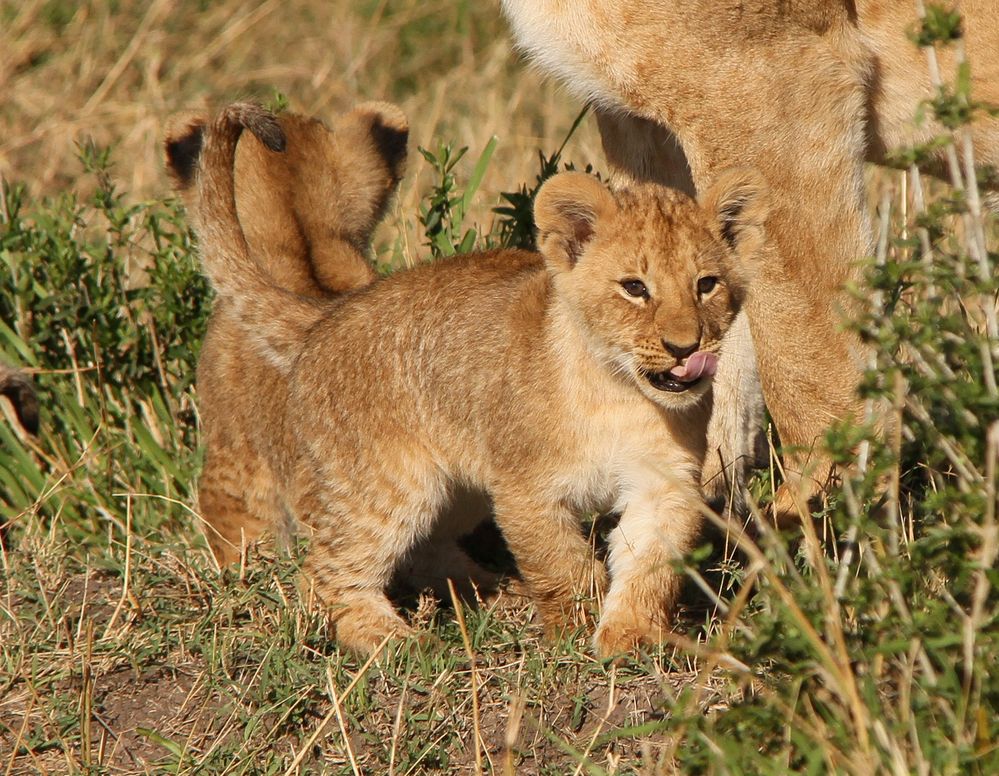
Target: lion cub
{"points": [[308, 211], [559, 383], [307, 216]]}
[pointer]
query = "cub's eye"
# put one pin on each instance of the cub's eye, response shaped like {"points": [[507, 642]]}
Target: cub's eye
{"points": [[635, 288], [706, 285]]}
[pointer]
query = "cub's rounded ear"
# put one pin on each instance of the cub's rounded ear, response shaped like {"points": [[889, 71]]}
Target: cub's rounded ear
{"points": [[388, 128], [182, 147], [566, 210], [17, 387], [739, 201]]}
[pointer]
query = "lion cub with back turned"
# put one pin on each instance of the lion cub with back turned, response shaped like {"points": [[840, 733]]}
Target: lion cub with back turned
{"points": [[307, 215], [559, 383]]}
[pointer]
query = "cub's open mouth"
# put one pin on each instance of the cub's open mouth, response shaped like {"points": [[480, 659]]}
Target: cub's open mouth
{"points": [[664, 381], [684, 376]]}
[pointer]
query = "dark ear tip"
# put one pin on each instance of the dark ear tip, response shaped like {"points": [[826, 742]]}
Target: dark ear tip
{"points": [[19, 389], [183, 151], [391, 142], [388, 128]]}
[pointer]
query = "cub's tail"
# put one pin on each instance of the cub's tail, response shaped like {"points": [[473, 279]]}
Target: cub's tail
{"points": [[274, 318]]}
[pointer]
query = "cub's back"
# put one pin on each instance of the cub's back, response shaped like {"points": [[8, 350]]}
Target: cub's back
{"points": [[448, 323]]}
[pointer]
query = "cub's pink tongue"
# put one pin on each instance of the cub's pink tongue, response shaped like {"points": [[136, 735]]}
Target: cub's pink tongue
{"points": [[698, 365]]}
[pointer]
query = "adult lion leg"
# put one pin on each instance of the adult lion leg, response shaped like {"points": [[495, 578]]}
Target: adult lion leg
{"points": [[640, 150], [807, 138], [818, 229]]}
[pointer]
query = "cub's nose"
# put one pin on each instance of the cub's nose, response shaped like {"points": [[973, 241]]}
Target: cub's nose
{"points": [[680, 351]]}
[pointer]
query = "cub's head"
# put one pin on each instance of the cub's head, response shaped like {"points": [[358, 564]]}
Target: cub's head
{"points": [[331, 184], [652, 277]]}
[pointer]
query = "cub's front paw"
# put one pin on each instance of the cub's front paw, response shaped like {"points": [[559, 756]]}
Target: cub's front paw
{"points": [[363, 631], [569, 609], [623, 633]]}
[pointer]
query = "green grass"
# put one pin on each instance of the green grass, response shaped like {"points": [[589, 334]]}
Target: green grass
{"points": [[866, 643]]}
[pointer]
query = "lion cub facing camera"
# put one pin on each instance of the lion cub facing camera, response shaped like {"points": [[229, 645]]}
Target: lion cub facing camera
{"points": [[559, 382]]}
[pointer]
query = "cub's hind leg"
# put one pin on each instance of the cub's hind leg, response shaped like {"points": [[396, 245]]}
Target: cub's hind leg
{"points": [[556, 563], [362, 527], [237, 500]]}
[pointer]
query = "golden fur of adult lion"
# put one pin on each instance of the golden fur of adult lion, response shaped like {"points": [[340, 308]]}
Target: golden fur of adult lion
{"points": [[805, 91], [558, 382], [307, 215]]}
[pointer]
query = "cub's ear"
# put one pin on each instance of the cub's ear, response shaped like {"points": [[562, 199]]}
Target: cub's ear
{"points": [[19, 390], [739, 201], [566, 210], [182, 147], [388, 128]]}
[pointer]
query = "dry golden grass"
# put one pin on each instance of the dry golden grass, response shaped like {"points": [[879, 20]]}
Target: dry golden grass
{"points": [[73, 72]]}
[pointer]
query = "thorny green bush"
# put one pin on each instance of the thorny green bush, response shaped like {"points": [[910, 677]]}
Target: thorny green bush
{"points": [[107, 302]]}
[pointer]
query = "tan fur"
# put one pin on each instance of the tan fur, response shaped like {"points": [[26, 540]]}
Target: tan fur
{"points": [[308, 214], [805, 91], [521, 374], [18, 389]]}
